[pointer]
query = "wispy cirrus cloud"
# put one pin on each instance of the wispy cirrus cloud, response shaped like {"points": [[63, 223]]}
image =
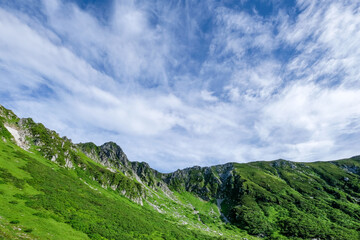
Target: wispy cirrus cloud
{"points": [[178, 84]]}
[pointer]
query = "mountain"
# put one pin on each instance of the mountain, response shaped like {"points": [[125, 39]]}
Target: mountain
{"points": [[51, 188]]}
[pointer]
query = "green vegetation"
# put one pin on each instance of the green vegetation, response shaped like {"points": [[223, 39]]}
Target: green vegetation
{"points": [[58, 190], [281, 199], [313, 200], [18, 221], [64, 205], [42, 199]]}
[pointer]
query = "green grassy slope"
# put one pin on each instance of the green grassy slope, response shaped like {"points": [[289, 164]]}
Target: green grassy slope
{"points": [[304, 200], [282, 199], [39, 199], [58, 190], [42, 197]]}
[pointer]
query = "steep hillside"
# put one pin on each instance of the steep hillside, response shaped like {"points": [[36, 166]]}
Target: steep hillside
{"points": [[51, 188], [280, 198]]}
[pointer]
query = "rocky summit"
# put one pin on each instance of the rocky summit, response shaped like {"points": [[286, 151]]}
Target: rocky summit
{"points": [[51, 188]]}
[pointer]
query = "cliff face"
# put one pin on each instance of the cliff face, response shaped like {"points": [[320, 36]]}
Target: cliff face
{"points": [[207, 182], [109, 154], [112, 156]]}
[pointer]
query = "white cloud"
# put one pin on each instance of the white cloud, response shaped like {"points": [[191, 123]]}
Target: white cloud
{"points": [[309, 120], [128, 80], [325, 36], [208, 96]]}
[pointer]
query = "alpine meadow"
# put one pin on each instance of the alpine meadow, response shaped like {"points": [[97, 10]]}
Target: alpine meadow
{"points": [[53, 189]]}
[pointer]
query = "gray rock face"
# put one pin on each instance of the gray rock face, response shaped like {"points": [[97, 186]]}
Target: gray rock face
{"points": [[111, 152], [351, 169], [111, 155], [206, 182], [19, 136]]}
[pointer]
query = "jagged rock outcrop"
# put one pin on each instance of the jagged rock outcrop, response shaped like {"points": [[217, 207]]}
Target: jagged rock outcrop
{"points": [[206, 182], [112, 156], [109, 154]]}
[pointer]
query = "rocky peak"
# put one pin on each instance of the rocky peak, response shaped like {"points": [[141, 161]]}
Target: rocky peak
{"points": [[281, 163], [113, 152], [112, 156]]}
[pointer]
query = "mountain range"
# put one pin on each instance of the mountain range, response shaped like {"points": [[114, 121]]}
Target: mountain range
{"points": [[51, 188]]}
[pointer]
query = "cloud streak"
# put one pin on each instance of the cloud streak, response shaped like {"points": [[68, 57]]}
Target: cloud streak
{"points": [[177, 88]]}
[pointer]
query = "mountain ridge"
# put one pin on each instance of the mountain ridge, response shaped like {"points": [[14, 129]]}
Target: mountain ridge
{"points": [[276, 199]]}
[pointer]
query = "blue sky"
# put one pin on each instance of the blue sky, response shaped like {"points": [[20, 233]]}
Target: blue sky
{"points": [[183, 83]]}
